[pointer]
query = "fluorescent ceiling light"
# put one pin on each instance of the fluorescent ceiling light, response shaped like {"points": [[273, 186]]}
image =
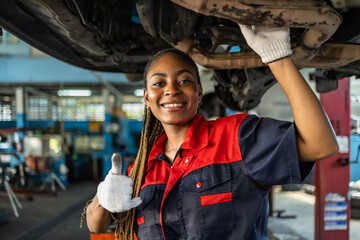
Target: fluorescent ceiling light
{"points": [[74, 93], [139, 92]]}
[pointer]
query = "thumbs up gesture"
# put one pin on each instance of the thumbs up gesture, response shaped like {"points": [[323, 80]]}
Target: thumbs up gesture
{"points": [[114, 193]]}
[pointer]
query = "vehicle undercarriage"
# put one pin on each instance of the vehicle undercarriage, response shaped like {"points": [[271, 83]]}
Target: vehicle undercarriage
{"points": [[120, 36]]}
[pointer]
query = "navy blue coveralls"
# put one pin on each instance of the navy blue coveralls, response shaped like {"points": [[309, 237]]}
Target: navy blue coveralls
{"points": [[217, 187]]}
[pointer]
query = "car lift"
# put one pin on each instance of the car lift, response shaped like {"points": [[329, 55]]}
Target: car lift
{"points": [[13, 199], [332, 175]]}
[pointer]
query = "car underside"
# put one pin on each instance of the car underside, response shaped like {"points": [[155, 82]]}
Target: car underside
{"points": [[120, 36]]}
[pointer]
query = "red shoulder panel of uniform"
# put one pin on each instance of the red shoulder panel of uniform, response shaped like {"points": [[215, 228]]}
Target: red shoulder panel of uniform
{"points": [[223, 144]]}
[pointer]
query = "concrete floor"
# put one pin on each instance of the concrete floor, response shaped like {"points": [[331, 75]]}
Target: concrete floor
{"points": [[58, 217], [49, 216]]}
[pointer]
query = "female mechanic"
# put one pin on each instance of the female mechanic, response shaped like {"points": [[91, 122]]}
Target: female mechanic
{"points": [[198, 179]]}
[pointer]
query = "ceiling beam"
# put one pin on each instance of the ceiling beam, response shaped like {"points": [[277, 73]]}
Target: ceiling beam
{"points": [[36, 92], [109, 86]]}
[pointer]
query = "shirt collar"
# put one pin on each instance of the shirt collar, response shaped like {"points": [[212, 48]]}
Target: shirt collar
{"points": [[196, 138]]}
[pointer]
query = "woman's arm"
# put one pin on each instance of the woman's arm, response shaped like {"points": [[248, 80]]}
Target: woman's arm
{"points": [[315, 137], [98, 218]]}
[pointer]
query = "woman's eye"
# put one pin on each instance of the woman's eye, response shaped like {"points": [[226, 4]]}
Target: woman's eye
{"points": [[185, 81], [159, 84]]}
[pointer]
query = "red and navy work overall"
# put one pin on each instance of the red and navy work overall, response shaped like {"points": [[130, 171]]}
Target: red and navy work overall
{"points": [[218, 184]]}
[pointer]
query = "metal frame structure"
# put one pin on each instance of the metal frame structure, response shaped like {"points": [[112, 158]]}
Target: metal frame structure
{"points": [[332, 175]]}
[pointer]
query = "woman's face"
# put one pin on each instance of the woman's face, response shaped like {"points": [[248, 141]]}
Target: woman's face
{"points": [[172, 91]]}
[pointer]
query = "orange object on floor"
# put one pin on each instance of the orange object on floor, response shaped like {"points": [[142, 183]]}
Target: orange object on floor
{"points": [[102, 236], [105, 236]]}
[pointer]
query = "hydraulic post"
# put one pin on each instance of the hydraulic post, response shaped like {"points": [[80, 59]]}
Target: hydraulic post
{"points": [[108, 143], [332, 175]]}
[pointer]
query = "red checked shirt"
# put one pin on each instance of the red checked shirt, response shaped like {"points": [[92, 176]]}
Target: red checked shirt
{"points": [[217, 187]]}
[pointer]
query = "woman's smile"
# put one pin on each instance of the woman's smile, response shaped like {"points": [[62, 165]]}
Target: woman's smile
{"points": [[173, 106]]}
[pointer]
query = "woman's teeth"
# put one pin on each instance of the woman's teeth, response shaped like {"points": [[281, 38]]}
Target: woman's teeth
{"points": [[173, 105]]}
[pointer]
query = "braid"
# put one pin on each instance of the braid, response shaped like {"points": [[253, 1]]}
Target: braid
{"points": [[152, 130]]}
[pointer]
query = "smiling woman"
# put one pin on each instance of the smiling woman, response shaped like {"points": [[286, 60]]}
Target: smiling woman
{"points": [[173, 92], [201, 179]]}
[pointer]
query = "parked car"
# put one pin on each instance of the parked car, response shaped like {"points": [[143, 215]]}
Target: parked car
{"points": [[120, 36]]}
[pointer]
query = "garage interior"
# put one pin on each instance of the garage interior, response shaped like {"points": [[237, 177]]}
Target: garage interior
{"points": [[60, 124]]}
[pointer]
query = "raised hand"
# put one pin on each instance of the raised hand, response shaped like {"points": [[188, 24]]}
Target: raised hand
{"points": [[270, 43]]}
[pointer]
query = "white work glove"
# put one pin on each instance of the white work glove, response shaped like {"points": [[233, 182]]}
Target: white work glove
{"points": [[114, 193], [270, 43]]}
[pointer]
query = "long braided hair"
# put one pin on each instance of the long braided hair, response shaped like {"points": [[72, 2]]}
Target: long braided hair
{"points": [[152, 130]]}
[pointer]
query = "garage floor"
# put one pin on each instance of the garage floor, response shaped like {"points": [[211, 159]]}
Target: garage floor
{"points": [[49, 216], [58, 217]]}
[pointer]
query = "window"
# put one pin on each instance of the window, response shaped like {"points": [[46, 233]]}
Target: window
{"points": [[37, 108], [80, 109], [7, 111], [134, 110]]}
